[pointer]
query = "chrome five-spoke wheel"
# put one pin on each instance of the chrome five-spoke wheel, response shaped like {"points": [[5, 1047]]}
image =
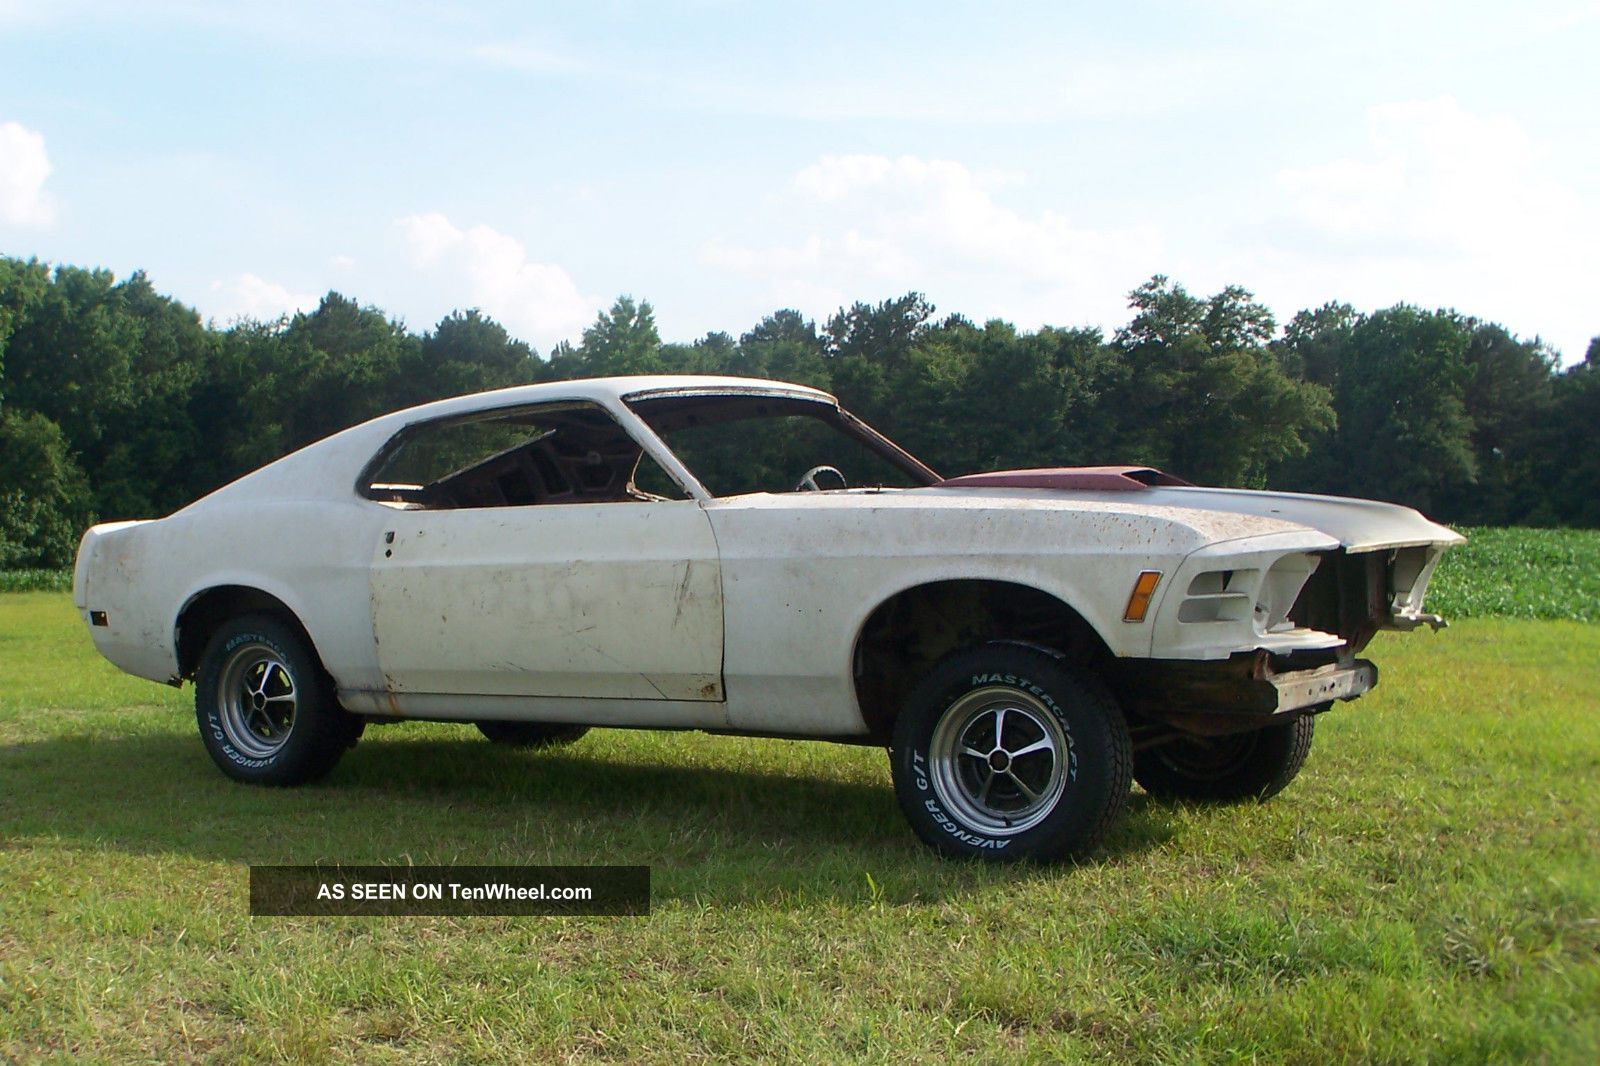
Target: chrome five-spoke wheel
{"points": [[257, 700], [268, 712], [1008, 751], [998, 760]]}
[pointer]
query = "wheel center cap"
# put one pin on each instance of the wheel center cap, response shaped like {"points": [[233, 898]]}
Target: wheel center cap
{"points": [[999, 760], [258, 701]]}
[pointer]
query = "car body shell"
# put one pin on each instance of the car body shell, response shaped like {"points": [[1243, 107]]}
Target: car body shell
{"points": [[736, 613]]}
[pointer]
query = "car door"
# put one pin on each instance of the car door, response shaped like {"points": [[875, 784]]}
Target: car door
{"points": [[610, 600]]}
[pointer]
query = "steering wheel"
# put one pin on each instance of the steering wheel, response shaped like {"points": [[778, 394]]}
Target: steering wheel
{"points": [[808, 483]]}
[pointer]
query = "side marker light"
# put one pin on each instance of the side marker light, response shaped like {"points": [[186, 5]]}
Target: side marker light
{"points": [[1143, 589]]}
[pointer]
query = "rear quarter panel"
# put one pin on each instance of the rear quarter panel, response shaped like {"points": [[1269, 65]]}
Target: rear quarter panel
{"points": [[311, 555]]}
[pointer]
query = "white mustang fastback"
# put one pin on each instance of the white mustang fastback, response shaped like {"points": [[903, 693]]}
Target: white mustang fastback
{"points": [[744, 556]]}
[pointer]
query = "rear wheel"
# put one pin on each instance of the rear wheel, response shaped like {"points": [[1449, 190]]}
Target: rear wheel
{"points": [[266, 709], [531, 734], [1239, 766], [1005, 752]]}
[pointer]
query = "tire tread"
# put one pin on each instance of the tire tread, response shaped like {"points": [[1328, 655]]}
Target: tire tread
{"points": [[324, 731]]}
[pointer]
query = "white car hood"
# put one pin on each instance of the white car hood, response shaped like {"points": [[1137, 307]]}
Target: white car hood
{"points": [[1358, 525]]}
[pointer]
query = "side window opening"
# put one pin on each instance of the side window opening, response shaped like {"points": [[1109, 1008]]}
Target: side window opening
{"points": [[550, 454]]}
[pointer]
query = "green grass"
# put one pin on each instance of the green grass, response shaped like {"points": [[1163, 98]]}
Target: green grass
{"points": [[35, 580], [1520, 573], [1428, 890]]}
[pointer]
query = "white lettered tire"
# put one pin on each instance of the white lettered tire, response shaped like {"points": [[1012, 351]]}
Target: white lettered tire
{"points": [[266, 709], [1006, 752]]}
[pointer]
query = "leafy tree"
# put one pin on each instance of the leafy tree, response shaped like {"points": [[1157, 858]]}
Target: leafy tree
{"points": [[1567, 467], [110, 364], [715, 353], [1313, 343], [1204, 397], [466, 352], [887, 332], [784, 345], [1399, 385], [153, 433], [71, 356], [870, 353], [239, 404], [337, 366], [120, 401], [622, 340], [22, 285], [1507, 396], [992, 398], [44, 496]]}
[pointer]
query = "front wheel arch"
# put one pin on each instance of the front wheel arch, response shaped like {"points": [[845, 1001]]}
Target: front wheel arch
{"points": [[907, 635]]}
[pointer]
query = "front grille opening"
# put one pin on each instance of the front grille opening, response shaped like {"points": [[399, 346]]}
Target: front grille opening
{"points": [[1347, 594]]}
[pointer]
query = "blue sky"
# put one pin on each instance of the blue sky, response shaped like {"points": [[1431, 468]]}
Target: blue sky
{"points": [[1032, 162]]}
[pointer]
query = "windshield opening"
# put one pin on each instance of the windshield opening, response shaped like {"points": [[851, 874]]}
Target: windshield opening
{"points": [[738, 444]]}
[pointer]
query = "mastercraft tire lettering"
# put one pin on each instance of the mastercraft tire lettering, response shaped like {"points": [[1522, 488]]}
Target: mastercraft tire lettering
{"points": [[1006, 752]]}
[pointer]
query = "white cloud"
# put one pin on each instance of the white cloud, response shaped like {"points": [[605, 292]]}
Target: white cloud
{"points": [[1434, 174], [25, 12], [24, 166], [1442, 207], [482, 267], [250, 296], [886, 225]]}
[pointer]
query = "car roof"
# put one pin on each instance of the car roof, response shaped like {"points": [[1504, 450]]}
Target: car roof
{"points": [[601, 389], [328, 467]]}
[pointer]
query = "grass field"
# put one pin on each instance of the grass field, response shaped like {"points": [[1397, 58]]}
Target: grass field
{"points": [[35, 581], [1520, 573], [1428, 890]]}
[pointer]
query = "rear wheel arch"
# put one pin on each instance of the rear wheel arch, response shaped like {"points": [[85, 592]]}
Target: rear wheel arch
{"points": [[910, 632], [208, 610]]}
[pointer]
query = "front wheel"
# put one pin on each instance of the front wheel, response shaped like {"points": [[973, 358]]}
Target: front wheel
{"points": [[266, 710], [1004, 752], [1226, 769]]}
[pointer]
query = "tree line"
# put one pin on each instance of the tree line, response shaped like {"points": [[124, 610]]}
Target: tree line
{"points": [[117, 401]]}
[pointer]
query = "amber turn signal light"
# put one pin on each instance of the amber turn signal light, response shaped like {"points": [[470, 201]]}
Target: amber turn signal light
{"points": [[1143, 589]]}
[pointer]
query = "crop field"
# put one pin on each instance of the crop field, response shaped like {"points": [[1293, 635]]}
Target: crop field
{"points": [[1428, 890], [1520, 573]]}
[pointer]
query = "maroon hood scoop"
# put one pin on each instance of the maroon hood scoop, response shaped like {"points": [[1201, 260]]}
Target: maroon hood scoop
{"points": [[1083, 478]]}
